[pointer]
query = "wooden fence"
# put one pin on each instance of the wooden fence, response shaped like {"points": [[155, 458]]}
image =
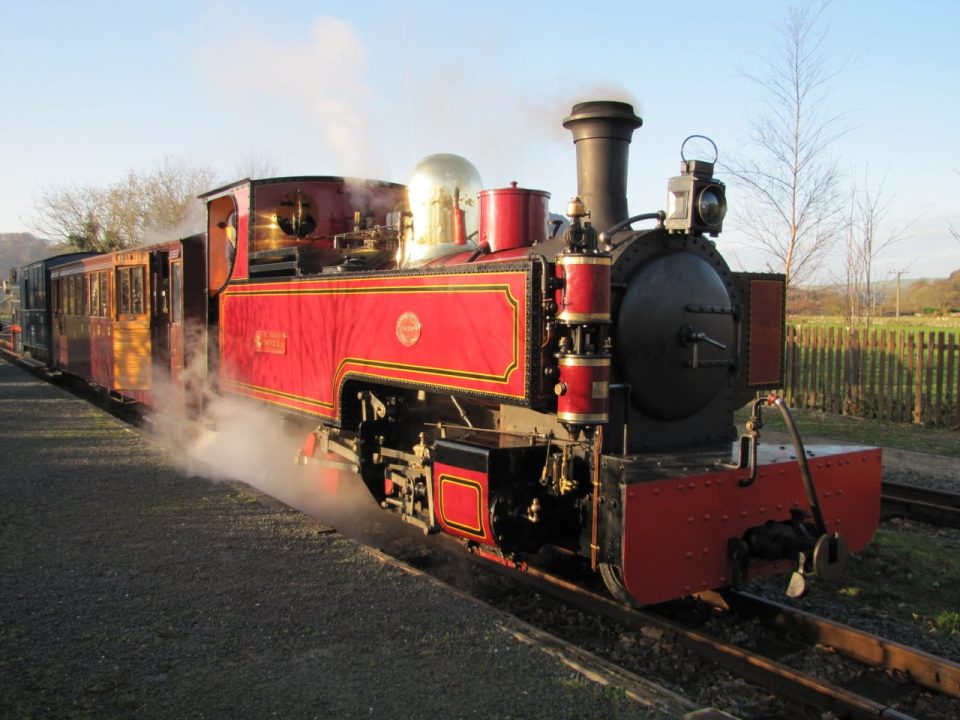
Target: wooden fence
{"points": [[898, 375]]}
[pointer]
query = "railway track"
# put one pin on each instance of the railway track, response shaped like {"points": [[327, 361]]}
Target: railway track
{"points": [[913, 667], [915, 671], [936, 507]]}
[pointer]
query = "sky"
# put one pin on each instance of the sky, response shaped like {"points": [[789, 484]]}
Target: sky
{"points": [[367, 88]]}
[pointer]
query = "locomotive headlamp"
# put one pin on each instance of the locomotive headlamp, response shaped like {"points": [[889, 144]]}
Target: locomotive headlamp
{"points": [[712, 206], [696, 203]]}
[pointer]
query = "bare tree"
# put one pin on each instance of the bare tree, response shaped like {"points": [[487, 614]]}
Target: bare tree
{"points": [[865, 241], [255, 165], [954, 231], [793, 210], [125, 213]]}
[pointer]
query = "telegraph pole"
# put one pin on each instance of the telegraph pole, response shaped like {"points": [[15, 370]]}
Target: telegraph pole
{"points": [[898, 274]]}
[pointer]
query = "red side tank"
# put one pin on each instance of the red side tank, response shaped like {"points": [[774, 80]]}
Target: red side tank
{"points": [[513, 217]]}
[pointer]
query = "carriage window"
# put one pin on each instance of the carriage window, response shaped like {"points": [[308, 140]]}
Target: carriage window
{"points": [[136, 290], [94, 282], [103, 294], [176, 292], [123, 290], [35, 288], [130, 299]]}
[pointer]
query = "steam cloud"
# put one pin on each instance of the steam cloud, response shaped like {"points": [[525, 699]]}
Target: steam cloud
{"points": [[236, 439]]}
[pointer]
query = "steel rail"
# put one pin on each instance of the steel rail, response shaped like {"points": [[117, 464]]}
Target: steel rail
{"points": [[930, 671], [936, 507], [770, 674]]}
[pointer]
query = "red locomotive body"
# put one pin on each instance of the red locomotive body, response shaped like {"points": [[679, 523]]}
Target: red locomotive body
{"points": [[488, 379], [297, 344]]}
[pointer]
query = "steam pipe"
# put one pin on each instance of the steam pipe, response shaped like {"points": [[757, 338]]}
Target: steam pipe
{"points": [[604, 238]]}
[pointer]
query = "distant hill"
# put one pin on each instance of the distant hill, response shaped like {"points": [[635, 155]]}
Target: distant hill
{"points": [[21, 248], [939, 296]]}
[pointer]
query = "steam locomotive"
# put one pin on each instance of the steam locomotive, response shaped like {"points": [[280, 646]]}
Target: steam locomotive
{"points": [[513, 382]]}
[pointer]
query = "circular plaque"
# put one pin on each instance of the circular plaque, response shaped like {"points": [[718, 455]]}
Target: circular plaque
{"points": [[408, 329]]}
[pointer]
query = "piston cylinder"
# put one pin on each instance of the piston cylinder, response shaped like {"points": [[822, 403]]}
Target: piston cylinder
{"points": [[583, 392], [585, 293]]}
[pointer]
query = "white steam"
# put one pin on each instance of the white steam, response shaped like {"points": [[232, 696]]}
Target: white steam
{"points": [[240, 440]]}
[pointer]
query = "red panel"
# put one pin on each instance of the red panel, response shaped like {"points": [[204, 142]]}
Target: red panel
{"points": [[462, 502], [676, 531], [766, 332], [294, 343]]}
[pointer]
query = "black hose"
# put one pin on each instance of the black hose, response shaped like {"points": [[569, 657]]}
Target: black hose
{"points": [[804, 467], [659, 215]]}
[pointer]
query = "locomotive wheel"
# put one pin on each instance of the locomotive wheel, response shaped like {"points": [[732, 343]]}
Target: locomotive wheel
{"points": [[613, 578]]}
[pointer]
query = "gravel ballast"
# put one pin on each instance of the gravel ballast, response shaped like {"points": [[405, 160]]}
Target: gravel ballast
{"points": [[130, 589]]}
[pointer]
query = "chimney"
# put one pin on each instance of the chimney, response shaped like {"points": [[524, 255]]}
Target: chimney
{"points": [[602, 131]]}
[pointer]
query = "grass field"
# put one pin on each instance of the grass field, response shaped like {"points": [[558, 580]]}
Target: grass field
{"points": [[904, 436], [911, 323]]}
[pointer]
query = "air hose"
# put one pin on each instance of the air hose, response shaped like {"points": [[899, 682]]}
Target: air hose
{"points": [[804, 467]]}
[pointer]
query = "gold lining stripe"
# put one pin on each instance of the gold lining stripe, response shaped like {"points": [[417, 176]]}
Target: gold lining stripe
{"points": [[565, 316], [584, 260], [473, 485], [583, 418], [580, 361], [279, 394]]}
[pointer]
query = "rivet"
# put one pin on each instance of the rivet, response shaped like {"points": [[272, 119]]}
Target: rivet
{"points": [[689, 555], [690, 519], [706, 517]]}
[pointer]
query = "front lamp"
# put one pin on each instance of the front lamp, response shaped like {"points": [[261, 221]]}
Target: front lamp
{"points": [[712, 206], [696, 203]]}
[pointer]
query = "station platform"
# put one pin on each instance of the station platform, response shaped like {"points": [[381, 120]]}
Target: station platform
{"points": [[130, 588]]}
